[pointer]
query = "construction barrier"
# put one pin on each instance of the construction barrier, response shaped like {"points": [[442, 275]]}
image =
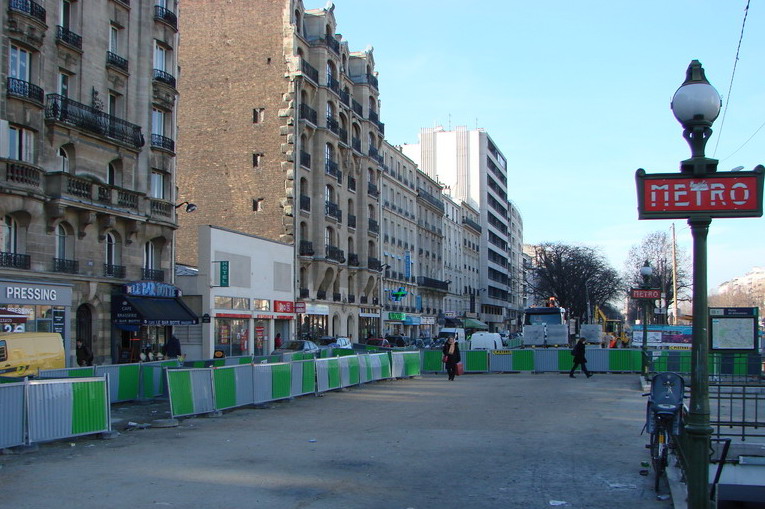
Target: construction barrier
{"points": [[80, 372], [272, 382], [152, 378], [327, 374], [64, 408], [234, 386], [405, 364], [190, 391], [12, 421], [124, 381], [303, 378]]}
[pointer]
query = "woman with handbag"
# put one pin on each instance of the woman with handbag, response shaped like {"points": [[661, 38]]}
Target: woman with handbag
{"points": [[451, 357]]}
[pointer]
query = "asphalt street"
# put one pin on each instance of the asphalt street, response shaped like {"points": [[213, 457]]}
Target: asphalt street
{"points": [[484, 440]]}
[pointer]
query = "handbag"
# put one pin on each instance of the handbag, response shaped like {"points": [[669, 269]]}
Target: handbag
{"points": [[460, 368], [444, 358]]}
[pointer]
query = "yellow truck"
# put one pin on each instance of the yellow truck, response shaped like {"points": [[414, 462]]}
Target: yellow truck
{"points": [[25, 353]]}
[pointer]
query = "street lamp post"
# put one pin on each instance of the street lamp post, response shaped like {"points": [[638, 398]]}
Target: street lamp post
{"points": [[645, 272], [696, 105]]}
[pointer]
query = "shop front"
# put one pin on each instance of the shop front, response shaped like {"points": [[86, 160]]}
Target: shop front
{"points": [[313, 320], [394, 324], [143, 315], [369, 323], [36, 307]]}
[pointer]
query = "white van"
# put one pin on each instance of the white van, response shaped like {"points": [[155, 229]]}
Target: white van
{"points": [[486, 341]]}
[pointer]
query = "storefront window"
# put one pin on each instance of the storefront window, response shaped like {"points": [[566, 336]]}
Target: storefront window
{"points": [[223, 302], [261, 304], [313, 326], [231, 336], [33, 319]]}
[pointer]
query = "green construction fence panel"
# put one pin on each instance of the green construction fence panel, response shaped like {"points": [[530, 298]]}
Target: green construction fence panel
{"points": [[225, 388], [475, 361], [353, 370], [245, 359], [624, 360], [412, 364], [281, 381], [385, 367], [333, 374], [523, 360], [90, 407], [183, 396], [431, 361], [565, 359], [309, 377], [128, 376]]}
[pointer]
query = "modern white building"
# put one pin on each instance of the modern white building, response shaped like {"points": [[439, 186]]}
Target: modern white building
{"points": [[472, 169]]}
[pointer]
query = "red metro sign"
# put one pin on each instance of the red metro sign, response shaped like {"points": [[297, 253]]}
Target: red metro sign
{"points": [[682, 196]]}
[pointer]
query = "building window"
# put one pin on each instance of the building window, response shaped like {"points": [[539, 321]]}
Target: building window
{"points": [[257, 115], [149, 255], [157, 185], [256, 159], [63, 84], [19, 63], [112, 255], [10, 240], [257, 205], [20, 144], [111, 175], [114, 37], [64, 158], [160, 54], [157, 122], [63, 242], [66, 13]]}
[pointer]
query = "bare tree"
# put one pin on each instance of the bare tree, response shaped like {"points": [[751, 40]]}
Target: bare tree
{"points": [[578, 276], [656, 248]]}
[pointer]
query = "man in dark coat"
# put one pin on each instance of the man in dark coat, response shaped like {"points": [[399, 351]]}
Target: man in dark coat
{"points": [[172, 347], [84, 354], [579, 359]]}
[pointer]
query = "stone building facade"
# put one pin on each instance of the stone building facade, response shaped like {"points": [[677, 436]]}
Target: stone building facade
{"points": [[281, 137], [87, 120]]}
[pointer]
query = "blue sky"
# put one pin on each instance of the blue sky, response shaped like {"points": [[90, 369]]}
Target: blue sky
{"points": [[576, 95]]}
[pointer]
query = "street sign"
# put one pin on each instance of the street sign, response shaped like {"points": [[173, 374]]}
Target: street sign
{"points": [[682, 195], [645, 293], [224, 273]]}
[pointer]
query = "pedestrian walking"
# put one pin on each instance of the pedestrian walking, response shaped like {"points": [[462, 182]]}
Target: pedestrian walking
{"points": [[451, 356], [172, 349], [84, 354], [579, 359]]}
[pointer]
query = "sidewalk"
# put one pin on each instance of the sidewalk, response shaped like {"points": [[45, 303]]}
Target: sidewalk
{"points": [[488, 440]]}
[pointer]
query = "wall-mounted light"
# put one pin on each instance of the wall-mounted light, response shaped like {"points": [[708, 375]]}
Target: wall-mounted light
{"points": [[190, 207]]}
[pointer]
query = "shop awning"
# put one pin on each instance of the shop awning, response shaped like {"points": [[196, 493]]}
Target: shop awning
{"points": [[471, 323], [132, 310], [412, 320]]}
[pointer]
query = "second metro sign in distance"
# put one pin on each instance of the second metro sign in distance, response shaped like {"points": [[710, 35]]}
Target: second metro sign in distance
{"points": [[682, 195]]}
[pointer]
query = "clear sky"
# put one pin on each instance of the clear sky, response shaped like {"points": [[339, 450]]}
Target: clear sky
{"points": [[576, 94]]}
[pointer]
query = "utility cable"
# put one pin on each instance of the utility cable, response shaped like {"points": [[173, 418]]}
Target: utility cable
{"points": [[733, 74]]}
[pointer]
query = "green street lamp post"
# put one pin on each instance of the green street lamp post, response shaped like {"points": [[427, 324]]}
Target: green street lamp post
{"points": [[696, 104], [645, 272]]}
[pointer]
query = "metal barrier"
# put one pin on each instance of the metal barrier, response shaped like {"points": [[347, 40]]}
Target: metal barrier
{"points": [[327, 375], [12, 421], [234, 386], [79, 372], [303, 378], [190, 391], [124, 381], [405, 364]]}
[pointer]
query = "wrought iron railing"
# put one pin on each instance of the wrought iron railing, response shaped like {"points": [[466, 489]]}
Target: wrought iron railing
{"points": [[305, 159], [15, 260], [374, 226], [66, 266], [351, 183], [164, 77], [374, 264], [24, 89], [305, 203], [351, 221], [332, 43], [436, 284], [333, 170], [163, 142], [152, 274], [372, 190], [469, 222], [310, 71], [87, 118], [117, 61], [353, 259], [335, 253], [357, 108], [28, 7], [67, 36], [333, 210], [429, 198], [356, 144], [117, 271], [308, 113], [166, 16], [306, 248]]}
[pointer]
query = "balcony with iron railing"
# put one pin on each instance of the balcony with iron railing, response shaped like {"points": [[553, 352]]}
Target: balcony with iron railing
{"points": [[310, 71], [116, 271], [305, 203], [435, 284], [353, 259], [367, 79], [373, 190], [356, 144], [86, 118], [309, 114], [332, 43], [164, 77], [29, 8], [351, 221], [15, 260], [334, 253], [116, 61], [68, 37], [306, 248], [166, 16], [337, 296], [374, 226], [304, 293], [345, 97], [351, 298], [148, 274], [472, 224], [351, 183], [430, 199], [162, 142], [357, 108], [333, 84], [374, 264], [332, 169], [332, 125], [66, 266], [363, 299], [321, 294], [24, 90], [333, 210]]}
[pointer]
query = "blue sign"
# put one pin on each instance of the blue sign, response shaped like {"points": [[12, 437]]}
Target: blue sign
{"points": [[407, 264]]}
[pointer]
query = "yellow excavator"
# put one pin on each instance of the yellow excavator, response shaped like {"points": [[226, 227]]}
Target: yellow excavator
{"points": [[612, 327]]}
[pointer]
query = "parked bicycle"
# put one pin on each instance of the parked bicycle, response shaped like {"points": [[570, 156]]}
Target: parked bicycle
{"points": [[663, 418]]}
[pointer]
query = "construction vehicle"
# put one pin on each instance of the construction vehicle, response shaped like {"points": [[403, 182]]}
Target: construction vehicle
{"points": [[545, 326], [612, 327]]}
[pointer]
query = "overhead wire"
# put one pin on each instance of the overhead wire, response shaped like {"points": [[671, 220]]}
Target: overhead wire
{"points": [[733, 74]]}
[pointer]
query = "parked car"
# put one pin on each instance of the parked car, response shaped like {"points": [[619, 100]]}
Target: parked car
{"points": [[298, 345], [399, 341], [380, 342], [341, 343], [325, 340]]}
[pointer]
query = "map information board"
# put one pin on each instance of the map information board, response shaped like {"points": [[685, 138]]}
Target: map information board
{"points": [[733, 328]]}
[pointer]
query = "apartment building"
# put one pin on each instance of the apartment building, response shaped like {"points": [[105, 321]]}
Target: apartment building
{"points": [[87, 196], [516, 270], [473, 170], [281, 137]]}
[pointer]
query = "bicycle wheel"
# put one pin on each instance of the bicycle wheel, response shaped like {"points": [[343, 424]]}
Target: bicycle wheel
{"points": [[659, 455]]}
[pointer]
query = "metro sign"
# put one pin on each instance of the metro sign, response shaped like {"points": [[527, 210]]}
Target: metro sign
{"points": [[682, 195], [645, 293]]}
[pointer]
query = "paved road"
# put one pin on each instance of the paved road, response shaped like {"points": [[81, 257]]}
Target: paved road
{"points": [[482, 441]]}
